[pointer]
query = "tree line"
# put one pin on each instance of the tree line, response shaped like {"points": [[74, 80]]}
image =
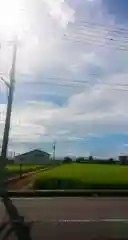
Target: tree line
{"points": [[89, 160]]}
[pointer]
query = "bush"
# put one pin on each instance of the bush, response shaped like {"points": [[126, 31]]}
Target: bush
{"points": [[90, 158], [111, 161], [67, 160], [80, 159]]}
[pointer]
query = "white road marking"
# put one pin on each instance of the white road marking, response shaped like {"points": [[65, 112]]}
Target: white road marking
{"points": [[78, 221], [89, 220], [64, 221], [32, 198]]}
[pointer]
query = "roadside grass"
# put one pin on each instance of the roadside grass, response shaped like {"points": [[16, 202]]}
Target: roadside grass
{"points": [[83, 176], [15, 168]]}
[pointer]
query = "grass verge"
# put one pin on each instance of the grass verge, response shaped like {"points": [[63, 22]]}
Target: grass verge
{"points": [[14, 169]]}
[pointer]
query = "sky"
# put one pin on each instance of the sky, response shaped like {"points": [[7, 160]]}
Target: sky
{"points": [[71, 75]]}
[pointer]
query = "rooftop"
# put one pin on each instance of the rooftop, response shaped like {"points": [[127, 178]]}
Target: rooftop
{"points": [[33, 152]]}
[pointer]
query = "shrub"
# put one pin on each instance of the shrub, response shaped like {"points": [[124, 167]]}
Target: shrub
{"points": [[90, 158], [67, 160]]}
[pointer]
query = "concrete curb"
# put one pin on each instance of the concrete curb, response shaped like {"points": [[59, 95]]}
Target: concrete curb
{"points": [[69, 193]]}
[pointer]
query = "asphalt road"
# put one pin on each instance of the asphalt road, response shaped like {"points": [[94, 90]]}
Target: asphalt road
{"points": [[75, 218]]}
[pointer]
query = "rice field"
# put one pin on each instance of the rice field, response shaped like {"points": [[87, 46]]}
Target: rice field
{"points": [[83, 176]]}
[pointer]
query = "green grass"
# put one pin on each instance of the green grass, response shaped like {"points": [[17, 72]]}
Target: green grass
{"points": [[15, 168], [83, 176]]}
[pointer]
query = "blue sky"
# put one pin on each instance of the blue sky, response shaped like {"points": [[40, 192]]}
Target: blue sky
{"points": [[71, 76], [118, 8]]}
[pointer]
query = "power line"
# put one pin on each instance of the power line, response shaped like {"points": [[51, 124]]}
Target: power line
{"points": [[79, 81], [82, 30], [81, 84], [96, 36], [116, 89], [91, 42], [92, 35], [116, 28], [94, 41], [98, 30]]}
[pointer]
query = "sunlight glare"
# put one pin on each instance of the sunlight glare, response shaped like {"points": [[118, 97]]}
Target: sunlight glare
{"points": [[12, 17]]}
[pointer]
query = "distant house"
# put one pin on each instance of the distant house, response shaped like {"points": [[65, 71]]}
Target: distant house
{"points": [[123, 160], [33, 157]]}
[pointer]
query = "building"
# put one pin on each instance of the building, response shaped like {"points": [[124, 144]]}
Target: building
{"points": [[123, 160], [33, 157]]}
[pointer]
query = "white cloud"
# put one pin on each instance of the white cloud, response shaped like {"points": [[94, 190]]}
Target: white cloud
{"points": [[39, 43], [60, 11], [93, 112]]}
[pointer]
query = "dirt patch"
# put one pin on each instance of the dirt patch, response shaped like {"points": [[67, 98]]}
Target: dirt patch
{"points": [[21, 183]]}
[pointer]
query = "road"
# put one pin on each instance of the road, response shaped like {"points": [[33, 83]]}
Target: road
{"points": [[75, 218]]}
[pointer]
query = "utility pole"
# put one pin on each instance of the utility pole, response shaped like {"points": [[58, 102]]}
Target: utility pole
{"points": [[9, 104], [54, 150]]}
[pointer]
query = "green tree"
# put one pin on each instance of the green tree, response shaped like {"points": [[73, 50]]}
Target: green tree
{"points": [[111, 161], [90, 158], [80, 159], [67, 160]]}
